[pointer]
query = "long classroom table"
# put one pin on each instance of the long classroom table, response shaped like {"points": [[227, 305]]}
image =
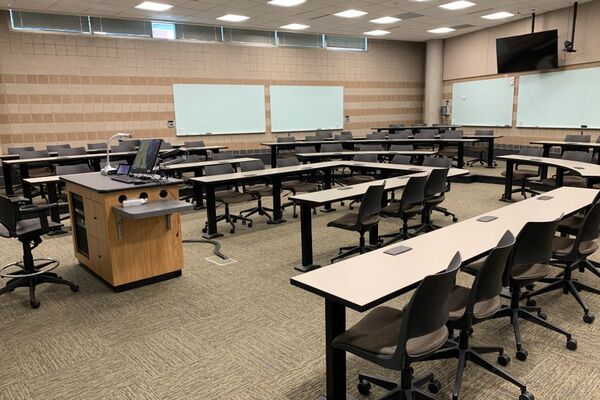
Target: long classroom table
{"points": [[549, 144], [418, 154], [585, 170], [309, 200], [368, 280], [416, 128]]}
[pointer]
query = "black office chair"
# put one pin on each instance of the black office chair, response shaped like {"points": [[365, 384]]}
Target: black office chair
{"points": [[325, 134], [27, 223], [361, 222], [331, 148], [411, 204], [74, 151], [527, 265], [355, 179], [228, 197], [406, 134], [306, 149], [295, 185], [258, 190], [524, 176], [286, 152], [441, 162], [221, 156], [450, 150], [570, 254], [286, 139], [396, 126], [370, 147], [395, 339], [121, 148], [129, 145], [376, 136], [470, 306], [426, 134], [38, 169], [578, 138], [19, 150], [312, 139], [196, 143], [401, 160], [72, 169], [343, 136], [479, 148], [56, 147], [401, 147], [96, 146], [165, 145], [435, 190], [570, 179]]}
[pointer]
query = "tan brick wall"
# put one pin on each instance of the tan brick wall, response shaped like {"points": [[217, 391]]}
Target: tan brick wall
{"points": [[57, 88]]}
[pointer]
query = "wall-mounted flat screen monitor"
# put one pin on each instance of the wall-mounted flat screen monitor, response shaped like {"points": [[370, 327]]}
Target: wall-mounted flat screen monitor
{"points": [[535, 51]]}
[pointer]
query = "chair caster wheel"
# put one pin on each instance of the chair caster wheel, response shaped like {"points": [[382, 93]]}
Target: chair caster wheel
{"points": [[504, 359], [243, 222], [572, 344], [74, 288], [35, 304], [531, 303], [543, 315], [295, 216], [526, 396], [434, 386], [250, 225], [204, 230], [454, 219], [522, 355], [232, 231], [530, 287], [589, 318], [364, 387]]}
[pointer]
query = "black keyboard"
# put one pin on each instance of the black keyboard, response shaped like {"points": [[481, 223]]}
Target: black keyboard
{"points": [[129, 179]]}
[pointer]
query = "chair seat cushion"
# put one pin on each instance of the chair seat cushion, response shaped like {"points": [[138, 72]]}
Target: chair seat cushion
{"points": [[562, 246], [530, 272], [459, 298], [233, 197], [394, 210], [570, 224], [522, 173], [299, 186], [378, 333], [261, 190], [28, 226], [357, 179], [473, 268], [435, 200], [568, 180], [348, 221]]}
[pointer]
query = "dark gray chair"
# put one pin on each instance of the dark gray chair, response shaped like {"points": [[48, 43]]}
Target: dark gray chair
{"points": [[400, 135], [394, 339], [295, 185], [343, 136], [524, 176], [37, 169], [165, 145], [196, 143], [528, 264], [450, 150], [402, 147], [324, 134], [479, 148], [221, 156], [370, 147], [258, 190], [571, 179], [228, 197], [96, 146], [396, 126], [312, 139], [68, 151], [362, 222], [470, 306], [286, 139], [56, 147], [19, 150], [121, 148], [578, 138], [130, 145], [400, 159], [72, 169], [332, 148], [572, 253], [435, 190], [426, 134], [411, 204], [28, 223], [441, 162], [376, 135], [355, 179]]}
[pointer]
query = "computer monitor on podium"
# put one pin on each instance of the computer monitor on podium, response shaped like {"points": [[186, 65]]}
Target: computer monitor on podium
{"points": [[146, 156]]}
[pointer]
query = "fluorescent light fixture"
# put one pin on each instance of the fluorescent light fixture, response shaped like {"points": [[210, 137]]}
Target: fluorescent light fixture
{"points": [[294, 27], [457, 5], [441, 30], [350, 14], [233, 18], [377, 32], [385, 20], [152, 6], [286, 3], [499, 15]]}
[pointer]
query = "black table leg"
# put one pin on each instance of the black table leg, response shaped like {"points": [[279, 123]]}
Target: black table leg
{"points": [[276, 188], [490, 157], [306, 238], [544, 169], [273, 156], [198, 198], [327, 185], [559, 177], [95, 162], [8, 185], [374, 236], [211, 214], [52, 188], [24, 171], [335, 324], [508, 180], [461, 154]]}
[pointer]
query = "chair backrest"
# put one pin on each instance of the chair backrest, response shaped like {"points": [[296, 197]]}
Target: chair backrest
{"points": [[414, 191], [96, 146], [120, 148], [325, 134], [582, 156], [222, 156], [400, 135], [484, 132], [253, 165], [165, 145], [72, 169], [75, 151], [399, 159], [590, 227], [365, 157], [371, 147], [312, 139], [531, 151], [331, 147], [533, 244], [489, 279], [371, 202], [56, 147], [9, 215], [345, 135], [35, 154], [288, 162], [442, 162], [129, 145], [402, 147], [376, 135], [286, 139], [218, 169], [19, 150], [196, 143], [426, 134], [436, 182], [452, 135], [427, 310], [394, 126], [193, 158], [578, 138], [306, 149]]}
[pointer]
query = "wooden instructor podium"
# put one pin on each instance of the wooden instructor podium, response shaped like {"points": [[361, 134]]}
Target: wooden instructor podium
{"points": [[126, 247]]}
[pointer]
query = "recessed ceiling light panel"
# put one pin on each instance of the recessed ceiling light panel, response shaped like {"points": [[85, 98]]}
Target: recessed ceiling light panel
{"points": [[499, 15], [441, 30], [377, 32], [457, 5], [294, 27], [350, 14], [233, 18], [152, 6], [286, 3], [385, 20]]}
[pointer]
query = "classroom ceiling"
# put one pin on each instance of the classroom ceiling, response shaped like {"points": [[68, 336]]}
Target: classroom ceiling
{"points": [[418, 16]]}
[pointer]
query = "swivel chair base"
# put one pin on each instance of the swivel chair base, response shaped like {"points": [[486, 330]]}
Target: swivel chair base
{"points": [[231, 220], [350, 250], [258, 209], [409, 389]]}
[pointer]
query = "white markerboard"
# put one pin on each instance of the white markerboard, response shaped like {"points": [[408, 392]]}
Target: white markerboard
{"points": [[487, 102]]}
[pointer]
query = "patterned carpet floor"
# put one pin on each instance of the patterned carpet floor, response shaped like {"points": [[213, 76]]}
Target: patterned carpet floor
{"points": [[241, 331]]}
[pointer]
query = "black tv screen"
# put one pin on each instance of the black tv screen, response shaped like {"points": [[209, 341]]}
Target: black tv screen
{"points": [[527, 52]]}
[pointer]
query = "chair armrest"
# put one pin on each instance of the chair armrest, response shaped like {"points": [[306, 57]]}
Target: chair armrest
{"points": [[19, 199], [41, 211]]}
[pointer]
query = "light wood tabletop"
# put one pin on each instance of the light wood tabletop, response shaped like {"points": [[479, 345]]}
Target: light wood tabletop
{"points": [[584, 169]]}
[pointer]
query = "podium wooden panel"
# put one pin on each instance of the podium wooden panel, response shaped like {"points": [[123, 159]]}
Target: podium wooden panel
{"points": [[149, 249]]}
